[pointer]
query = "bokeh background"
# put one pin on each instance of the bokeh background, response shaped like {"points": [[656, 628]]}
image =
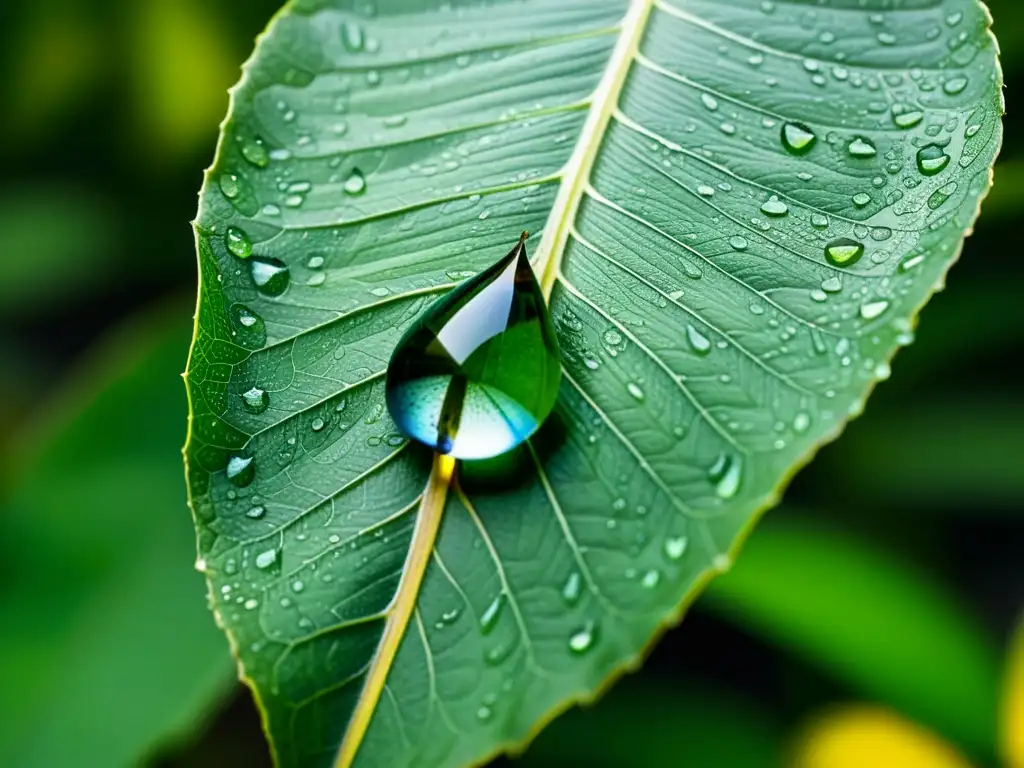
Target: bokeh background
{"points": [[868, 624]]}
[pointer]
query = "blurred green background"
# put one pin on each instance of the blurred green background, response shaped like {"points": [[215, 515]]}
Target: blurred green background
{"points": [[869, 621]]}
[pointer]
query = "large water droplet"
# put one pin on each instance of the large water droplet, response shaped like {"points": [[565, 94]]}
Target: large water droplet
{"points": [[861, 147], [479, 371], [571, 589], [675, 547], [798, 138], [582, 640], [726, 474], [699, 343], [352, 36], [844, 252], [238, 242], [270, 275], [932, 159], [256, 153], [355, 184], [775, 207], [872, 309], [267, 559], [241, 470], [256, 400], [489, 619]]}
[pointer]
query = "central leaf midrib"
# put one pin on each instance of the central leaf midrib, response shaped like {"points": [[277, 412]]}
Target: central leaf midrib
{"points": [[576, 173]]}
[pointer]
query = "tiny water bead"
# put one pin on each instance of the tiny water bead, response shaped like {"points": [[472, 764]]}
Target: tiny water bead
{"points": [[478, 372]]}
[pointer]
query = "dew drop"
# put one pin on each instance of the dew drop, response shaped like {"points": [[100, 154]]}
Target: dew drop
{"points": [[229, 185], [490, 616], [675, 547], [255, 400], [844, 252], [872, 309], [352, 37], [932, 160], [699, 343], [774, 207], [726, 474], [271, 276], [582, 640], [571, 589], [861, 147], [241, 470], [255, 153], [797, 138], [462, 400], [267, 559], [355, 184], [238, 242]]}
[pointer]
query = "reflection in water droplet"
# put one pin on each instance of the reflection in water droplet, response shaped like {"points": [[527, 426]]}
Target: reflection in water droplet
{"points": [[571, 589], [861, 147], [256, 400], [490, 616], [699, 343], [271, 276], [355, 184], [797, 138], [906, 119], [725, 473], [266, 559], [651, 579], [932, 160], [352, 36], [479, 371], [844, 252], [582, 640], [873, 309], [675, 547], [775, 207], [255, 153], [229, 185], [241, 470], [238, 242]]}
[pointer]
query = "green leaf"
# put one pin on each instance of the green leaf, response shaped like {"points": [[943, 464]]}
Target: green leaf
{"points": [[875, 622], [716, 322], [106, 650]]}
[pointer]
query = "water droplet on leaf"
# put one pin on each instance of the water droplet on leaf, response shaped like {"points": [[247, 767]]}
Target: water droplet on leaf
{"points": [[797, 138], [479, 371], [844, 252], [270, 275]]}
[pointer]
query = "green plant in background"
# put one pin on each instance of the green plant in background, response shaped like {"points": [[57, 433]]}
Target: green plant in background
{"points": [[742, 208]]}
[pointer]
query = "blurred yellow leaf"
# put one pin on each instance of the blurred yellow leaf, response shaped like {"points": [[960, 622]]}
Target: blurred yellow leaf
{"points": [[1013, 703], [858, 736], [183, 68]]}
